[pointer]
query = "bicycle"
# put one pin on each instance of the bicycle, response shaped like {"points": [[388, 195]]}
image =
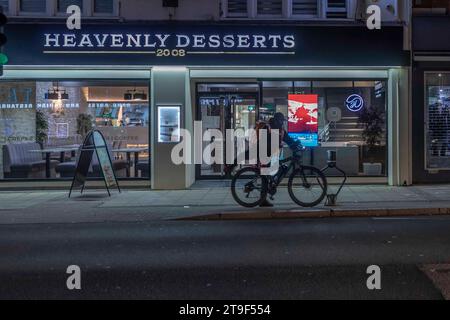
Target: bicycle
{"points": [[249, 188]]}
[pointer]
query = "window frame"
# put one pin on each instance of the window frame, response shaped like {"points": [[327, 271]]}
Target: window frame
{"points": [[51, 10], [287, 11]]}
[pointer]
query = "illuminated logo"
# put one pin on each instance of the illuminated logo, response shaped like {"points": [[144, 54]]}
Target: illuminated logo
{"points": [[354, 103]]}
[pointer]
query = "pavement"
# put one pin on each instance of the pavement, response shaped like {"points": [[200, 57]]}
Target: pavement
{"points": [[233, 260], [212, 200]]}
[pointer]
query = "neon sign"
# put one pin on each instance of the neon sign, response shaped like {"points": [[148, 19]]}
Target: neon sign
{"points": [[354, 103]]}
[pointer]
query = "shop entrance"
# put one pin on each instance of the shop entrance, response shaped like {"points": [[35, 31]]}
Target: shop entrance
{"points": [[223, 110]]}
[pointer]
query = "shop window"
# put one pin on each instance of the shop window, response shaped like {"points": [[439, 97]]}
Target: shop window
{"points": [[346, 116], [43, 124], [33, 6], [63, 4], [104, 6], [437, 115]]}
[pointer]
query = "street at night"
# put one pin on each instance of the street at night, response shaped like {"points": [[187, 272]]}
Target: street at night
{"points": [[284, 259]]}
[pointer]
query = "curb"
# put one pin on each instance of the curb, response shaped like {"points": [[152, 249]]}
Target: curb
{"points": [[320, 213]]}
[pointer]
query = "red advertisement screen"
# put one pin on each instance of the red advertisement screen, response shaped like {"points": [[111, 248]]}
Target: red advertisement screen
{"points": [[302, 113]]}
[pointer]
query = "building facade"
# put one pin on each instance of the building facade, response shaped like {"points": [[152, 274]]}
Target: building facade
{"points": [[138, 71]]}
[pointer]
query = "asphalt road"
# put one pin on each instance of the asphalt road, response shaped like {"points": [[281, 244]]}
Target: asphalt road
{"points": [[273, 259]]}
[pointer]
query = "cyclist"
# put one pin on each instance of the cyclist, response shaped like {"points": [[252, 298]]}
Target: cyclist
{"points": [[276, 122]]}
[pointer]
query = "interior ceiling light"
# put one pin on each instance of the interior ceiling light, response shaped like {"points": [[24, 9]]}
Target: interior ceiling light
{"points": [[134, 95], [128, 95], [140, 96], [56, 94]]}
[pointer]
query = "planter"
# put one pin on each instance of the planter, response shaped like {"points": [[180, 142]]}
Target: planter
{"points": [[372, 169]]}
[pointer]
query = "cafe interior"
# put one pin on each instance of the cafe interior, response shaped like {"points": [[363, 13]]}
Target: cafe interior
{"points": [[43, 125]]}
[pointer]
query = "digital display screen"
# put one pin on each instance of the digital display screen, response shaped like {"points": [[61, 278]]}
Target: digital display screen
{"points": [[307, 139], [302, 118]]}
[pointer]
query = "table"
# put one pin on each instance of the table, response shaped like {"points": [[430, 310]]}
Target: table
{"points": [[48, 151], [129, 151]]}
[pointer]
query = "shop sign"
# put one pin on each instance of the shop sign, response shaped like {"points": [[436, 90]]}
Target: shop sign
{"points": [[200, 44]]}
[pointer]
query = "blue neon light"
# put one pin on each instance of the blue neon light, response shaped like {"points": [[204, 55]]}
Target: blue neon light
{"points": [[354, 102]]}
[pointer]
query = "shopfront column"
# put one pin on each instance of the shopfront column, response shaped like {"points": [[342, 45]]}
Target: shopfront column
{"points": [[170, 88], [399, 128]]}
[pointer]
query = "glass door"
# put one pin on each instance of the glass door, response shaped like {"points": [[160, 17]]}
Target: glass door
{"points": [[224, 111]]}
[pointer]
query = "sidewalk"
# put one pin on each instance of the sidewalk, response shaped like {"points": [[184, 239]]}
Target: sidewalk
{"points": [[212, 200]]}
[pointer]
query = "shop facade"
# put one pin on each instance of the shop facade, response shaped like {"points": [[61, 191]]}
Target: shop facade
{"points": [[431, 99], [139, 83]]}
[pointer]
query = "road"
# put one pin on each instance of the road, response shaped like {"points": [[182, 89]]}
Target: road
{"points": [[273, 259]]}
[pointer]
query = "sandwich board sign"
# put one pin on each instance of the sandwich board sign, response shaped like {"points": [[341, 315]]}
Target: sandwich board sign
{"points": [[94, 145]]}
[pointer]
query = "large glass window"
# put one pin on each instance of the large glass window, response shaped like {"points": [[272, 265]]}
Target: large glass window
{"points": [[43, 124], [437, 115], [346, 116], [33, 6]]}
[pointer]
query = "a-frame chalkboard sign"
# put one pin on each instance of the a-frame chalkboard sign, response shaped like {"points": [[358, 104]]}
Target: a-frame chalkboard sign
{"points": [[94, 142]]}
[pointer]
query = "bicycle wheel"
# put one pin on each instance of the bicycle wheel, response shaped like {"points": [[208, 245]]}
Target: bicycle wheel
{"points": [[307, 186], [248, 187]]}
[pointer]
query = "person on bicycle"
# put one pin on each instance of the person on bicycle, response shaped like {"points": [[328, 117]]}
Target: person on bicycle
{"points": [[276, 122]]}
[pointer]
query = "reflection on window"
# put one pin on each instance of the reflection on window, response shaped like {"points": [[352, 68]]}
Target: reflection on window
{"points": [[52, 118], [437, 114]]}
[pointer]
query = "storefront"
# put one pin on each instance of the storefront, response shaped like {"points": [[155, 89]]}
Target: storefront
{"points": [[431, 99], [138, 83]]}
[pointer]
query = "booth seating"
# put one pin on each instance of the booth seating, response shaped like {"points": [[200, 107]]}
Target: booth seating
{"points": [[20, 162], [67, 169]]}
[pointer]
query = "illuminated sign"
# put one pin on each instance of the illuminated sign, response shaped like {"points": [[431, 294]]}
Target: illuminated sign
{"points": [[354, 102], [167, 40], [302, 118]]}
